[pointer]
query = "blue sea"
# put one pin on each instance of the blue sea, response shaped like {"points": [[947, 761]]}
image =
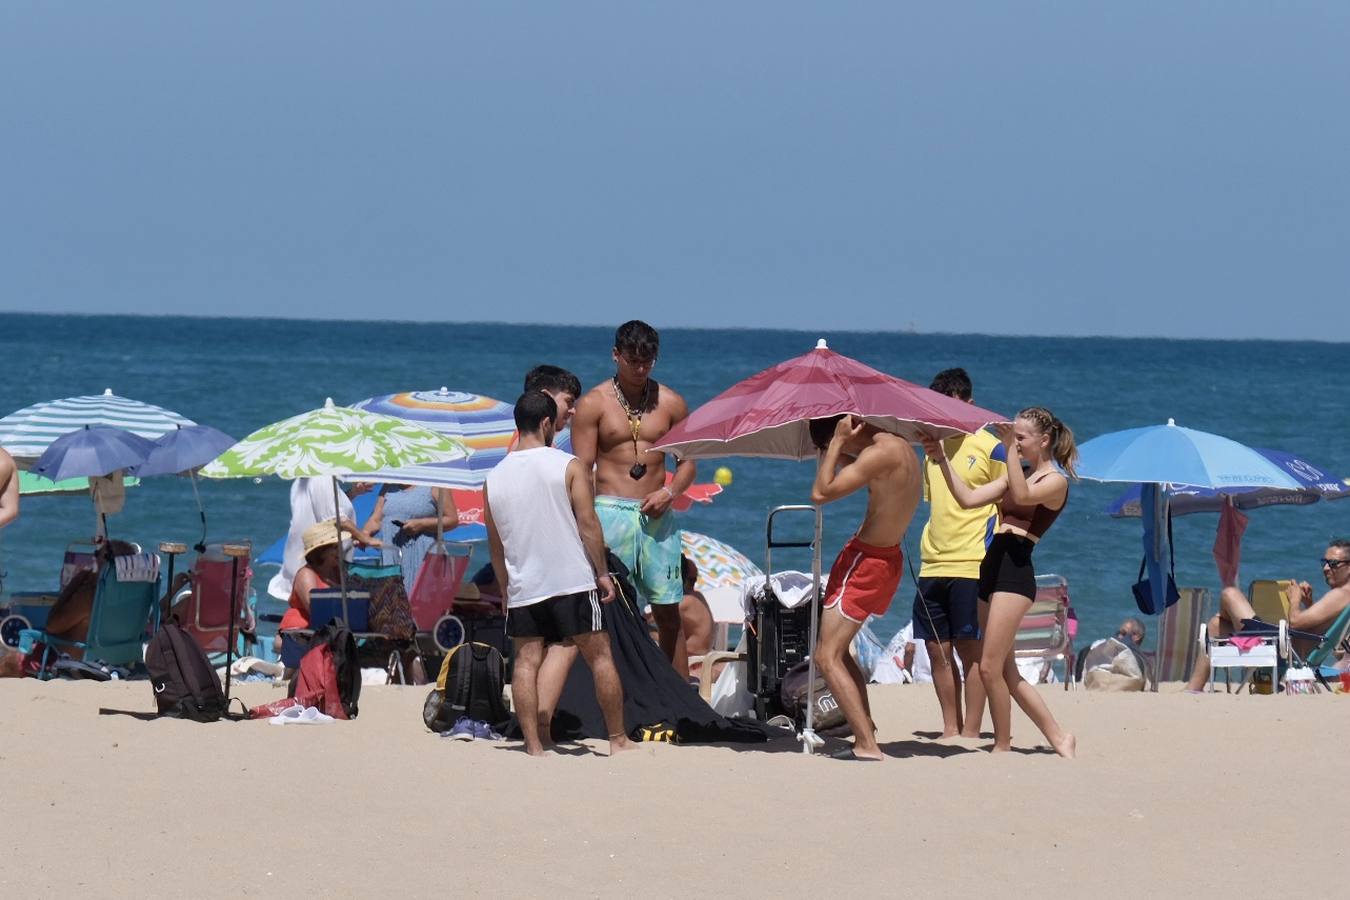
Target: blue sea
{"points": [[240, 374]]}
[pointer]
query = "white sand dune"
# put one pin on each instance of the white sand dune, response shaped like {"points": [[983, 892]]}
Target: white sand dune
{"points": [[1171, 793]]}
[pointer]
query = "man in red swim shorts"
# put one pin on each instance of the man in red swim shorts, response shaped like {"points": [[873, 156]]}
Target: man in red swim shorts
{"points": [[866, 574]]}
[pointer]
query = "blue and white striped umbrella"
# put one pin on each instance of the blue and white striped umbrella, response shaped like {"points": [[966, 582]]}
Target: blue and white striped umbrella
{"points": [[26, 434]]}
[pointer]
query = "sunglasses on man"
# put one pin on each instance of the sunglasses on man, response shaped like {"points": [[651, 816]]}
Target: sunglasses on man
{"points": [[1334, 564]]}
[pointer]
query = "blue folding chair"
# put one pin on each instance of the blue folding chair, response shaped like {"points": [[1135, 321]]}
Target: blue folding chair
{"points": [[117, 622]]}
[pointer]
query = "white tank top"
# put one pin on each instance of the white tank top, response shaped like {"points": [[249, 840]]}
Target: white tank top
{"points": [[527, 495]]}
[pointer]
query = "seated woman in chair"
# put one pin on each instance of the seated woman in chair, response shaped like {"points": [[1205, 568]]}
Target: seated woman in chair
{"points": [[70, 615], [321, 570]]}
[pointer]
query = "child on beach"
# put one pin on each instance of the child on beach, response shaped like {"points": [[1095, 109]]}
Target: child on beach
{"points": [[1028, 504]]}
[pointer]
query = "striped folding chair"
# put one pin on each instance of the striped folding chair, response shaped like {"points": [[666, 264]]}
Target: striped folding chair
{"points": [[1176, 651], [1044, 632]]}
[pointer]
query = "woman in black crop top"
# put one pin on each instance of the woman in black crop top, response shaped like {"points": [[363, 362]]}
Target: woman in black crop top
{"points": [[1028, 504]]}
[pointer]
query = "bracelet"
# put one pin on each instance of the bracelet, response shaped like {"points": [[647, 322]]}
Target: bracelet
{"points": [[669, 492]]}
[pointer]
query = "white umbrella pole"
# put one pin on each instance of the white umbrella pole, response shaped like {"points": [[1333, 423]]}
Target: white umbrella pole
{"points": [[337, 523], [809, 738]]}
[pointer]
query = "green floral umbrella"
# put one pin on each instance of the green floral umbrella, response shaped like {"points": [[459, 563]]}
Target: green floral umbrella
{"points": [[334, 440]]}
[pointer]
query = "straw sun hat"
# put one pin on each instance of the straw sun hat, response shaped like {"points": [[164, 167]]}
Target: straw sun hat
{"points": [[320, 534]]}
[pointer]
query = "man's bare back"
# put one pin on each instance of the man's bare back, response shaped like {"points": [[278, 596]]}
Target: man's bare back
{"points": [[887, 467], [601, 433]]}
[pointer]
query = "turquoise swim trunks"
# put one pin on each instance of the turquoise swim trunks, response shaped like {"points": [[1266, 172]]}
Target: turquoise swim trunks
{"points": [[650, 548]]}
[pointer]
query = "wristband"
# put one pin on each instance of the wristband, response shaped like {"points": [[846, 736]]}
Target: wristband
{"points": [[669, 492]]}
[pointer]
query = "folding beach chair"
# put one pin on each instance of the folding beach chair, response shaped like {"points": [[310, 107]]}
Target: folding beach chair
{"points": [[1270, 651], [203, 607], [117, 623], [1270, 599], [79, 557], [1044, 632], [1176, 652]]}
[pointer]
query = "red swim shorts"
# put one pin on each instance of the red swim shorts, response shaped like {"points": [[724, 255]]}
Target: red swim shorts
{"points": [[863, 580]]}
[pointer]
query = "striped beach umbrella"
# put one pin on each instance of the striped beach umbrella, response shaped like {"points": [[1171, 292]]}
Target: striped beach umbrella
{"points": [[485, 425], [31, 485], [719, 564], [31, 430]]}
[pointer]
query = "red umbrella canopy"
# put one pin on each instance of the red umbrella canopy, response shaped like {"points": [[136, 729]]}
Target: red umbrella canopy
{"points": [[768, 414]]}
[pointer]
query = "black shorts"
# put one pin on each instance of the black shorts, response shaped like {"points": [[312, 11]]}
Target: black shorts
{"points": [[1006, 567], [947, 609], [556, 619]]}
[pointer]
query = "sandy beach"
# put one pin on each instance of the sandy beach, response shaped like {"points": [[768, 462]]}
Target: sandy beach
{"points": [[1163, 797]]}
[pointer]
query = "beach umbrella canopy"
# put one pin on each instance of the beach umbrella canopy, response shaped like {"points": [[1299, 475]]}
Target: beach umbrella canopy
{"points": [[769, 414], [1172, 455], [31, 430], [1315, 484], [31, 485], [184, 450], [91, 452], [333, 440], [484, 425], [1160, 457], [719, 564]]}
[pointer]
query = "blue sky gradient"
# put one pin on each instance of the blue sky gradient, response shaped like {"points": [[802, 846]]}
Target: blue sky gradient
{"points": [[1142, 168]]}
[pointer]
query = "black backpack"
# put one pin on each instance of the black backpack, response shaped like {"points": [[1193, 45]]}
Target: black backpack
{"points": [[186, 687], [470, 684], [342, 644]]}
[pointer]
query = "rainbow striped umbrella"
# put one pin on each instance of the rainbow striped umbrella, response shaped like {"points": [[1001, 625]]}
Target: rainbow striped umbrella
{"points": [[719, 565], [485, 425]]}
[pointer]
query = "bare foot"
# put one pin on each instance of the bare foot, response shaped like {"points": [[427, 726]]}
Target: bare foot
{"points": [[1001, 748], [621, 745], [871, 753], [536, 750], [1067, 746]]}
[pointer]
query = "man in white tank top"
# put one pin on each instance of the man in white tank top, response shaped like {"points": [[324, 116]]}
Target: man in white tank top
{"points": [[549, 557]]}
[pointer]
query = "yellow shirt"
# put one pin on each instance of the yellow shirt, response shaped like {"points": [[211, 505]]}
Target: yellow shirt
{"points": [[954, 539]]}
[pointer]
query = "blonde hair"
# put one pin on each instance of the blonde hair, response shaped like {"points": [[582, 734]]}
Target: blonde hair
{"points": [[1062, 446]]}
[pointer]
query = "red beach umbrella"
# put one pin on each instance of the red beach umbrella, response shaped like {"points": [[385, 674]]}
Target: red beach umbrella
{"points": [[769, 414]]}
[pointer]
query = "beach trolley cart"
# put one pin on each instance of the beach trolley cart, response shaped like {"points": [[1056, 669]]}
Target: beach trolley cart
{"points": [[782, 637]]}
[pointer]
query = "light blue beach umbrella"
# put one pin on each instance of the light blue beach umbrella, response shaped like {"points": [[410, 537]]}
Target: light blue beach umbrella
{"points": [[1160, 457], [183, 451]]}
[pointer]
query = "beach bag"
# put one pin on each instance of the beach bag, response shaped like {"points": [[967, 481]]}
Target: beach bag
{"points": [[186, 687], [792, 694], [1112, 665], [1143, 588], [330, 674], [470, 684], [390, 611]]}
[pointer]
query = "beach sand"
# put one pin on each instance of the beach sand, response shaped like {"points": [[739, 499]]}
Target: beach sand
{"points": [[1170, 793]]}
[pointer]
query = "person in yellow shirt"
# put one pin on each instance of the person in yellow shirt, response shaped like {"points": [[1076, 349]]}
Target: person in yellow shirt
{"points": [[946, 604]]}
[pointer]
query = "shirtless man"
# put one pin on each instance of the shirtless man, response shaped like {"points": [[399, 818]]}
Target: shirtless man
{"points": [[866, 574], [9, 489], [616, 423], [1304, 614]]}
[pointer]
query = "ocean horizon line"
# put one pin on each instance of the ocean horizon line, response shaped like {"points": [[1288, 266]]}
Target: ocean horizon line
{"points": [[818, 333]]}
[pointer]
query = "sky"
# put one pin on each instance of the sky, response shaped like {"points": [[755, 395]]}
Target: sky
{"points": [[1127, 169]]}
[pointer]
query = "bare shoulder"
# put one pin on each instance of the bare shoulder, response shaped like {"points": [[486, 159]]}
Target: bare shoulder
{"points": [[895, 451], [670, 399], [593, 400]]}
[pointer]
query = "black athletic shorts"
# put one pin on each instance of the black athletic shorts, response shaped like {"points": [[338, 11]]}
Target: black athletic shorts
{"points": [[556, 619], [947, 609], [1006, 567]]}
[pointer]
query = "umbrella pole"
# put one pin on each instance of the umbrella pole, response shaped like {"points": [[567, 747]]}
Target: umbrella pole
{"points": [[809, 738], [201, 512], [342, 563]]}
